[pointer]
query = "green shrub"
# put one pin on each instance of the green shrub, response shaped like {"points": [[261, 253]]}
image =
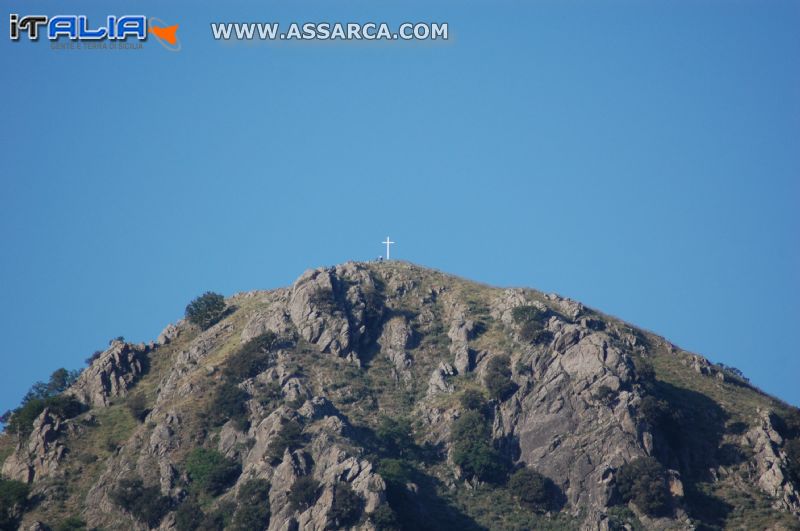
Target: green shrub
{"points": [[146, 504], [21, 421], [792, 449], [472, 399], [251, 359], [498, 378], [137, 405], [290, 436], [91, 359], [13, 502], [533, 490], [189, 515], [472, 449], [304, 493], [253, 512], [218, 519], [61, 380], [230, 403], [397, 471], [210, 471], [644, 482], [347, 506], [526, 314], [529, 331], [394, 437], [206, 310], [385, 519], [71, 523]]}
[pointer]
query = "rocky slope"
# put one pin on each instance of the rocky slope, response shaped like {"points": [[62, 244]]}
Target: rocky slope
{"points": [[369, 364]]}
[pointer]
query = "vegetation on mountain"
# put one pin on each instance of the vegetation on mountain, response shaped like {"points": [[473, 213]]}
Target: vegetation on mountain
{"points": [[532, 489], [206, 310], [253, 509], [643, 481], [13, 502], [304, 493], [347, 506], [498, 378], [210, 472], [473, 451], [290, 437], [144, 503]]}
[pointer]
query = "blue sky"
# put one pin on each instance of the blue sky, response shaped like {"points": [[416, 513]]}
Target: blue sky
{"points": [[641, 157]]}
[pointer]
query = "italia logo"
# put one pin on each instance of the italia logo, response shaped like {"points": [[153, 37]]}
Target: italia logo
{"points": [[78, 28]]}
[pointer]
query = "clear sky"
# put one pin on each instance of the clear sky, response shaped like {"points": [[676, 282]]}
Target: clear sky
{"points": [[641, 157]]}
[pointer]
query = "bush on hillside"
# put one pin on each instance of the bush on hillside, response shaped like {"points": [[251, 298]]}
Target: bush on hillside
{"points": [[21, 420], [533, 490], [253, 511], [396, 471], [13, 502], [210, 471], [472, 399], [218, 519], [137, 405], [189, 515], [91, 359], [394, 437], [473, 451], [304, 493], [792, 449], [525, 314], [206, 310], [146, 504], [385, 519], [290, 436], [347, 506], [229, 403], [251, 359], [498, 378], [71, 523], [644, 482], [529, 331]]}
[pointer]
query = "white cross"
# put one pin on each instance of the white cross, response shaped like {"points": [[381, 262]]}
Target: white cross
{"points": [[388, 242]]}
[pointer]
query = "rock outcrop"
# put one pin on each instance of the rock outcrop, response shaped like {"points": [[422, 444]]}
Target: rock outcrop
{"points": [[39, 455], [112, 374], [769, 464]]}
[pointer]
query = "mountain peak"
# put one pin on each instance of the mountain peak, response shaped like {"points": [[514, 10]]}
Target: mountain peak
{"points": [[387, 395]]}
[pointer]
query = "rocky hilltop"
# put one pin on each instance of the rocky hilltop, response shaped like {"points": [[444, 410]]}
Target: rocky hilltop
{"points": [[389, 396]]}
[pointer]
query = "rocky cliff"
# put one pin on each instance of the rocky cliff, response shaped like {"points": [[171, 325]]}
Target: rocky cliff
{"points": [[341, 401]]}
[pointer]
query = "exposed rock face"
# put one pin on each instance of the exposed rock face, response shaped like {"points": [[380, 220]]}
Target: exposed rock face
{"points": [[169, 334], [329, 307], [360, 342], [38, 456], [438, 381], [549, 419], [770, 464], [111, 375], [395, 339]]}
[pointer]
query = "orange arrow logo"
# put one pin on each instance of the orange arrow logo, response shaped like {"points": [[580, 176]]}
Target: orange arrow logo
{"points": [[166, 34]]}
